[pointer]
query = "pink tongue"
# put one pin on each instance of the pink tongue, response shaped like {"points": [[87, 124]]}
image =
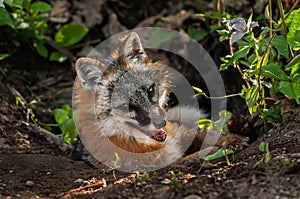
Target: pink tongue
{"points": [[160, 136]]}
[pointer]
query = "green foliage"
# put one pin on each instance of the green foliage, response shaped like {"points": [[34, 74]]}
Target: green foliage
{"points": [[56, 56], [26, 21], [219, 125], [3, 56], [70, 34], [261, 57], [64, 118], [293, 24], [272, 114], [142, 177], [219, 154], [173, 181], [267, 157], [27, 108]]}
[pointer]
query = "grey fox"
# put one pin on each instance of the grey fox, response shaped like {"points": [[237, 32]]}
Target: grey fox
{"points": [[123, 108]]}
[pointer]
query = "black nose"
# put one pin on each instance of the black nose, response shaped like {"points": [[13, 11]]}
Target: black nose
{"points": [[159, 123]]}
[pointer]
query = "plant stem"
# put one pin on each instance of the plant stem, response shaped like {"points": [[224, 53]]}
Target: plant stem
{"points": [[237, 66], [226, 96], [272, 36], [271, 17]]}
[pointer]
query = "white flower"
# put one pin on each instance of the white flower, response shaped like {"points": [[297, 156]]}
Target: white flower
{"points": [[1, 4], [240, 27]]}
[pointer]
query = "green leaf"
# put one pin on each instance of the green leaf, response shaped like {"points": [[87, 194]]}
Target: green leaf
{"points": [[223, 32], [295, 73], [69, 130], [5, 18], [297, 36], [205, 124], [252, 58], [272, 114], [290, 89], [263, 60], [243, 52], [14, 3], [56, 56], [221, 124], [213, 15], [64, 118], [26, 4], [68, 110], [199, 91], [251, 96], [195, 34], [262, 146], [3, 56], [70, 34], [41, 49], [293, 24], [281, 44], [60, 115], [37, 7], [267, 12], [218, 154], [294, 61], [214, 27], [274, 71]]}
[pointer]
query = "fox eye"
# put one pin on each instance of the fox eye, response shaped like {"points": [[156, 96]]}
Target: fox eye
{"points": [[124, 107], [151, 91]]}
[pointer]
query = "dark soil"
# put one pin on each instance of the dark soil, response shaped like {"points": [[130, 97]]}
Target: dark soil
{"points": [[35, 165]]}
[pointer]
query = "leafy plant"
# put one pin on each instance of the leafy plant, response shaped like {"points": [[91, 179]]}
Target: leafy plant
{"points": [[264, 147], [64, 119], [20, 101], [173, 181], [272, 114], [222, 152], [259, 59], [3, 56], [26, 21], [219, 125], [142, 177]]}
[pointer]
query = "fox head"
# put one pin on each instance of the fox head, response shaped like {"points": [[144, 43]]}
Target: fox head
{"points": [[130, 91]]}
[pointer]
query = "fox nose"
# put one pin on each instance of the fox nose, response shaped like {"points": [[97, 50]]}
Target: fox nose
{"points": [[159, 123]]}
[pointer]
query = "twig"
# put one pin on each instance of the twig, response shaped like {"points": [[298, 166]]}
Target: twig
{"points": [[237, 66], [95, 41], [62, 51], [99, 184]]}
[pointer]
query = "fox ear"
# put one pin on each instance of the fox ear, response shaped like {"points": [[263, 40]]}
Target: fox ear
{"points": [[89, 73], [131, 49]]}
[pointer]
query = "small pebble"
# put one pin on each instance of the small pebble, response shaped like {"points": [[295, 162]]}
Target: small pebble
{"points": [[79, 180], [29, 183], [192, 196]]}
